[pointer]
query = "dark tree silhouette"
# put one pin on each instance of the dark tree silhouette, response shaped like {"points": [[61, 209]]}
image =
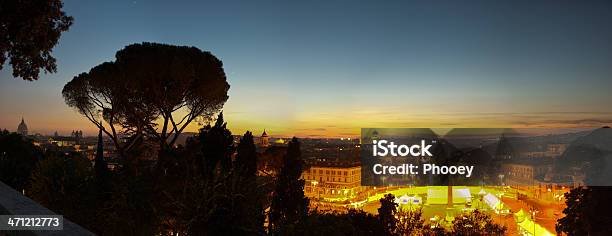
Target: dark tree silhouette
{"points": [[587, 212], [61, 182], [101, 171], [387, 211], [217, 148], [198, 188], [354, 222], [131, 208], [476, 223], [271, 160], [246, 158], [18, 157], [150, 84], [289, 206], [247, 197], [202, 191], [367, 223], [29, 29], [410, 222]]}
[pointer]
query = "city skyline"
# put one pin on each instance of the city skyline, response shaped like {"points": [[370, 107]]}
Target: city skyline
{"points": [[400, 65], [306, 118]]}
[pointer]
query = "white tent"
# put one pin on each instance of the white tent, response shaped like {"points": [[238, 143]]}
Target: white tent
{"points": [[493, 202], [403, 200], [529, 227], [439, 195]]}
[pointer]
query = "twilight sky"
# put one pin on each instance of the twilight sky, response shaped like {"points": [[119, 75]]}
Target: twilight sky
{"points": [[331, 67]]}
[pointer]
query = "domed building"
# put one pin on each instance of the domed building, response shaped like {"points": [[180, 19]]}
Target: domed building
{"points": [[22, 128], [265, 140]]}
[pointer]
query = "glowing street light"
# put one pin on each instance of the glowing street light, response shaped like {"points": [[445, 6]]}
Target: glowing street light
{"points": [[533, 214]]}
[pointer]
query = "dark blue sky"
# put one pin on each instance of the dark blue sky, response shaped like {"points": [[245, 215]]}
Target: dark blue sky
{"points": [[330, 67]]}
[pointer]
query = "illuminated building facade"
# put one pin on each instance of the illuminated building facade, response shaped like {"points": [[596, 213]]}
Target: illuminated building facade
{"points": [[555, 150], [332, 180], [521, 174]]}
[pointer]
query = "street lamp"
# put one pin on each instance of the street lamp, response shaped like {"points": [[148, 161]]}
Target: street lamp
{"points": [[533, 213]]}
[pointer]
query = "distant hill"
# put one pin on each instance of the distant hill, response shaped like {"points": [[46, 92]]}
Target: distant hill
{"points": [[592, 154]]}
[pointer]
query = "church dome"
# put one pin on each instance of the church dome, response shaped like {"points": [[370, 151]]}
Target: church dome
{"points": [[22, 128]]}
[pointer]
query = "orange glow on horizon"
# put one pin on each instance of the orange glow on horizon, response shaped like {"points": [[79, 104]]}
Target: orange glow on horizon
{"points": [[338, 124]]}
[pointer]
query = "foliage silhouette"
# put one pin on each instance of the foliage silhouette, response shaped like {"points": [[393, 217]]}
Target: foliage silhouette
{"points": [[476, 223], [587, 212], [18, 158], [147, 86], [29, 30], [101, 171], [410, 222], [62, 183], [247, 202], [289, 207], [354, 222], [205, 190], [387, 211]]}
